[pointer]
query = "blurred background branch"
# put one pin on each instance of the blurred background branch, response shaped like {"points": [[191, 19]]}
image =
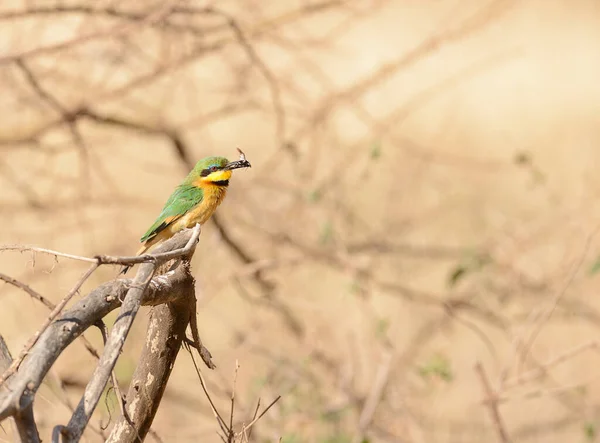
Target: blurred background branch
{"points": [[423, 179]]}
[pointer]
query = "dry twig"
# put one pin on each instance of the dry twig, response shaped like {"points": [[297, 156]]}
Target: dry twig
{"points": [[491, 400], [51, 317]]}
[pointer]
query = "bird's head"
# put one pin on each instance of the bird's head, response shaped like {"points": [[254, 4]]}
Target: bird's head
{"points": [[217, 170]]}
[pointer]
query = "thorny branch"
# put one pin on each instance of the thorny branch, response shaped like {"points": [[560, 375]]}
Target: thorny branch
{"points": [[229, 435], [157, 258], [245, 36], [19, 389], [152, 17], [116, 340]]}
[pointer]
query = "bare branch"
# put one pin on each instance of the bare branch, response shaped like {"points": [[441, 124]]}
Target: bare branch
{"points": [[235, 375], [166, 330], [121, 29], [53, 314], [374, 398], [20, 389], [41, 92], [33, 293], [540, 316], [25, 248], [215, 412], [265, 71], [246, 431], [24, 420], [542, 369], [248, 427], [116, 340], [196, 343], [36, 295], [114, 260], [109, 11], [491, 399], [113, 376]]}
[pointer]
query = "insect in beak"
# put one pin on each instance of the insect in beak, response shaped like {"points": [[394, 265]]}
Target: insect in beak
{"points": [[242, 155], [241, 163]]}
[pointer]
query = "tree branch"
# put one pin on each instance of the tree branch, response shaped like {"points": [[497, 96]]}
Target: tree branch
{"points": [[20, 388], [114, 346], [491, 399], [24, 420], [153, 16], [165, 333], [51, 317]]}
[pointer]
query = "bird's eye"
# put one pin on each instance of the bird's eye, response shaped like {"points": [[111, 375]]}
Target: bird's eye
{"points": [[213, 168]]}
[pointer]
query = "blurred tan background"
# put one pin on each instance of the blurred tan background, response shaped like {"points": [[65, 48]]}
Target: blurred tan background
{"points": [[423, 197]]}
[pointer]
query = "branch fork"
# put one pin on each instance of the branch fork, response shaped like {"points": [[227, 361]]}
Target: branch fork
{"points": [[173, 297]]}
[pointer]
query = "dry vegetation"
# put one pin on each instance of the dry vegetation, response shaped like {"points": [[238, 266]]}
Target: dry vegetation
{"points": [[411, 257]]}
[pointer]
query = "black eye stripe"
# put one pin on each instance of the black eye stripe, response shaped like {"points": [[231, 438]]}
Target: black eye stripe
{"points": [[209, 170]]}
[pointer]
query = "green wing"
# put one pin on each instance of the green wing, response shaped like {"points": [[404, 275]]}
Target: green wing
{"points": [[184, 198]]}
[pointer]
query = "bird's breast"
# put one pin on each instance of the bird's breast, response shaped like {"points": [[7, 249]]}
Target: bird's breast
{"points": [[213, 196]]}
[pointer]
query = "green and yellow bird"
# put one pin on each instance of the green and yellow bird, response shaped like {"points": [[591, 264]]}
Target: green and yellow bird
{"points": [[194, 200]]}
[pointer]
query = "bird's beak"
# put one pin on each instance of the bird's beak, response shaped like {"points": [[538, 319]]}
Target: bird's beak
{"points": [[237, 164], [241, 163]]}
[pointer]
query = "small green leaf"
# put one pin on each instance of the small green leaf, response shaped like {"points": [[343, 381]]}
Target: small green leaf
{"points": [[339, 438], [259, 381], [291, 438], [589, 430], [382, 327], [335, 415], [457, 274], [468, 266], [315, 195], [438, 366], [595, 268], [326, 233], [354, 287], [376, 150]]}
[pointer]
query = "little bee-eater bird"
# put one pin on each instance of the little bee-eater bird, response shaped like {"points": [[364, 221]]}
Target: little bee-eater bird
{"points": [[194, 200]]}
